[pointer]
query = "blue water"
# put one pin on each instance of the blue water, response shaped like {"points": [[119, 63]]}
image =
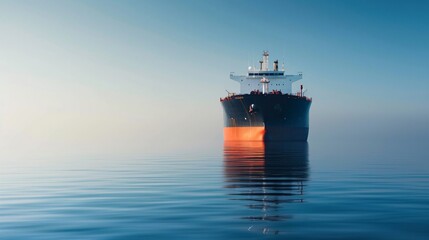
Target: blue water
{"points": [[237, 191]]}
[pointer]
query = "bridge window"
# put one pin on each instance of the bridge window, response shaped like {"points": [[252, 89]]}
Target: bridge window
{"points": [[267, 74]]}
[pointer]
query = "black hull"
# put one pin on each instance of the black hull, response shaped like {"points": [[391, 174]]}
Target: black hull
{"points": [[266, 117]]}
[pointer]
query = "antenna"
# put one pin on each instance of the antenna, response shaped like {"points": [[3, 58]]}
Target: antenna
{"points": [[253, 62]]}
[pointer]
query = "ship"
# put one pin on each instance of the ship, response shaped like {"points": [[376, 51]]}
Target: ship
{"points": [[266, 109]]}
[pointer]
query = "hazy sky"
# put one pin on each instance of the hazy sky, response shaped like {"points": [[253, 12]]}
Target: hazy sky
{"points": [[123, 78]]}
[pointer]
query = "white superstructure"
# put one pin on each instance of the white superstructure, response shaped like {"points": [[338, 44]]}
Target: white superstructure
{"points": [[275, 80]]}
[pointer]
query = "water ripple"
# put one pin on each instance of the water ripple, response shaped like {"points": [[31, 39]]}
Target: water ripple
{"points": [[247, 191]]}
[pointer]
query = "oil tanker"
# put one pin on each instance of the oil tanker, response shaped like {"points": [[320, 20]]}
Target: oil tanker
{"points": [[266, 109]]}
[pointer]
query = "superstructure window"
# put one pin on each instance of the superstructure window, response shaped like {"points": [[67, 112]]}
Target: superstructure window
{"points": [[267, 74]]}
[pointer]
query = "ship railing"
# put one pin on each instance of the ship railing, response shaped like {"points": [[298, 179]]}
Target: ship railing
{"points": [[275, 92], [301, 94], [229, 97]]}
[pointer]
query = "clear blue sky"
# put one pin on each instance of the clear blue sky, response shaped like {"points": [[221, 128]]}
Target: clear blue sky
{"points": [[120, 77]]}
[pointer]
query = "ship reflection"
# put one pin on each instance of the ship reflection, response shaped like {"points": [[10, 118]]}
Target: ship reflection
{"points": [[266, 176]]}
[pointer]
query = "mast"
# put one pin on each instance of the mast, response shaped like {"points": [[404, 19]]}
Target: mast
{"points": [[264, 82]]}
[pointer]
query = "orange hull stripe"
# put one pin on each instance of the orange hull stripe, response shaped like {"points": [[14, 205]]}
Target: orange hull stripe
{"points": [[243, 133]]}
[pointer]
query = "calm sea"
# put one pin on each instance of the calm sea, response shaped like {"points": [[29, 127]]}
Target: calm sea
{"points": [[315, 190]]}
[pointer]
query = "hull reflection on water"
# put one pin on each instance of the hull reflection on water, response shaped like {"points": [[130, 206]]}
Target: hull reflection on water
{"points": [[266, 176]]}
